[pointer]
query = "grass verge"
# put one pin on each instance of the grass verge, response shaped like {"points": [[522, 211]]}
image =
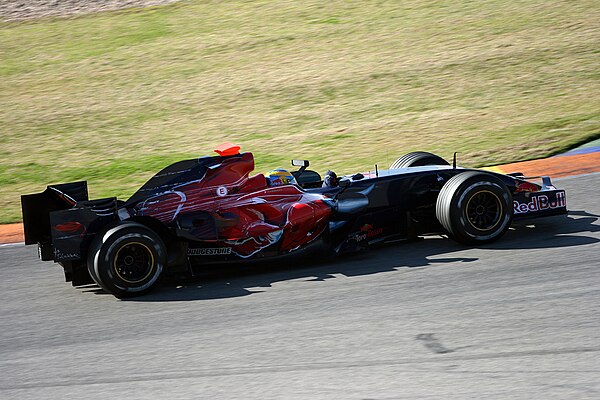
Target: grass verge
{"points": [[113, 97]]}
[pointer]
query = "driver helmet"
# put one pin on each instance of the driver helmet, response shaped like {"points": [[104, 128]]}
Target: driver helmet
{"points": [[279, 177]]}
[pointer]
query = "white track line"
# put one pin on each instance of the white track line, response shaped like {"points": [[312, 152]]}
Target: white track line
{"points": [[13, 244]]}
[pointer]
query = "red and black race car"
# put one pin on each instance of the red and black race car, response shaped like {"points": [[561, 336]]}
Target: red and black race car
{"points": [[210, 210]]}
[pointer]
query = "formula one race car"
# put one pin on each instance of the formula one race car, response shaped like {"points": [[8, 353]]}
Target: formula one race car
{"points": [[210, 210]]}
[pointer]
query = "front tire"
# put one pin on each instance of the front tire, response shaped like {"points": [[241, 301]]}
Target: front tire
{"points": [[474, 207], [127, 260], [418, 159]]}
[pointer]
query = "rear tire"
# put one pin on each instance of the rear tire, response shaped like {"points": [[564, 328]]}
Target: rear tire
{"points": [[474, 207], [127, 260], [418, 159]]}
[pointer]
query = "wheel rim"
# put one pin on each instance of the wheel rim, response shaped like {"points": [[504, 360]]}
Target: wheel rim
{"points": [[134, 262], [484, 210]]}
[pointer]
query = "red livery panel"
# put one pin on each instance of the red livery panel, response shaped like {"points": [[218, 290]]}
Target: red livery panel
{"points": [[250, 215]]}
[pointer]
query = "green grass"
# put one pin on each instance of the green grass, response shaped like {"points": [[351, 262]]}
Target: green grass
{"points": [[113, 97]]}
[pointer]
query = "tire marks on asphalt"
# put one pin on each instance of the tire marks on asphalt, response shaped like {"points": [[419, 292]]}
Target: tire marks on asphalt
{"points": [[432, 344]]}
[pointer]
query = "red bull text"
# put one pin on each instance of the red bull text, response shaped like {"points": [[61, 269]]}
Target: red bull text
{"points": [[540, 203]]}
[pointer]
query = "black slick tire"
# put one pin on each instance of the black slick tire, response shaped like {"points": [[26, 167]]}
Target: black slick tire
{"points": [[474, 207], [418, 159], [127, 259]]}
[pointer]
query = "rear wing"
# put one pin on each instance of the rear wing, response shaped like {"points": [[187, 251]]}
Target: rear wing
{"points": [[37, 207], [62, 221]]}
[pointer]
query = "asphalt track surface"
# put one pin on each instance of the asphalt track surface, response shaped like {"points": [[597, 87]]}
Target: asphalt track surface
{"points": [[517, 319]]}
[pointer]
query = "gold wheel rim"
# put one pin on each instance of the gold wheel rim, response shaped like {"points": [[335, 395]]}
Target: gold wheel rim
{"points": [[484, 210], [133, 262]]}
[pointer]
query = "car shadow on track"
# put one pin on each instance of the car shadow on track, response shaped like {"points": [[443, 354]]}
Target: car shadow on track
{"points": [[552, 232], [244, 280]]}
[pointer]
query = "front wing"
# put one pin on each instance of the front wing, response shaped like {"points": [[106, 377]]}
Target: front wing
{"points": [[539, 204]]}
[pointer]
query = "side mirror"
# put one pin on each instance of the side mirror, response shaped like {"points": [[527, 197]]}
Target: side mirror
{"points": [[300, 163]]}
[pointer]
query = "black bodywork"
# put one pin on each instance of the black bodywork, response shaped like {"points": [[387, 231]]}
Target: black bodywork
{"points": [[400, 204]]}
